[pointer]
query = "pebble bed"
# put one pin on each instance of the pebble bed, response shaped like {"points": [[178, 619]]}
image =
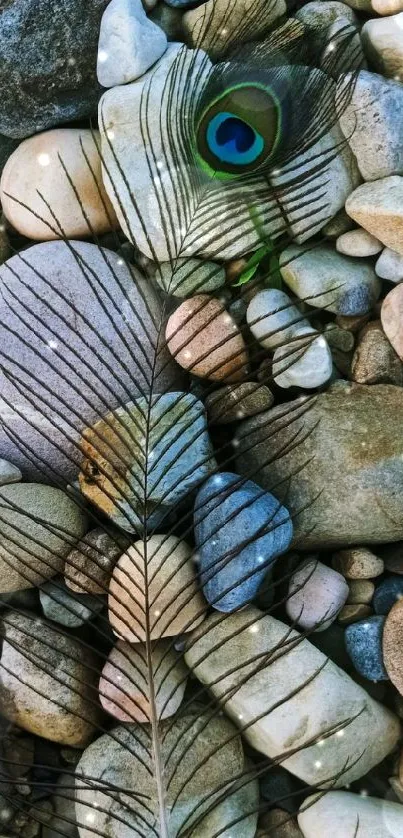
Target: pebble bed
{"points": [[201, 451]]}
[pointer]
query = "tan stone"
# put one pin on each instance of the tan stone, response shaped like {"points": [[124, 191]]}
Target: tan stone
{"points": [[358, 243], [39, 165], [353, 613], [378, 207], [358, 563], [374, 360], [392, 645], [174, 602], [361, 592], [204, 339], [391, 316], [383, 44], [124, 687]]}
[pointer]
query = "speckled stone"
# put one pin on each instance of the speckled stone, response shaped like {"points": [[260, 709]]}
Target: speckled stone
{"points": [[42, 669], [177, 602], [387, 593], [89, 566], [205, 340], [364, 645], [391, 317], [316, 594], [239, 531], [236, 401], [9, 473], [39, 165], [358, 563], [124, 684], [393, 645], [374, 360]]}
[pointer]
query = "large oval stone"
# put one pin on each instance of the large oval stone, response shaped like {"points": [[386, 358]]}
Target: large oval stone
{"points": [[337, 461]]}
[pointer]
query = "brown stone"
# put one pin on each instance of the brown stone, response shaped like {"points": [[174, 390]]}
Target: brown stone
{"points": [[236, 401], [392, 645], [124, 686], [89, 566], [378, 207], [204, 339], [175, 603], [375, 361], [358, 563], [392, 318]]}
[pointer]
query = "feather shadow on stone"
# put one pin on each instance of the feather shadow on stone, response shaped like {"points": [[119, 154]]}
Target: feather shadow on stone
{"points": [[181, 692]]}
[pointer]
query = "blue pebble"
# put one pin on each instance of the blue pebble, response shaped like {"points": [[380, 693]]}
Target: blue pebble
{"points": [[183, 4], [240, 530], [387, 593], [364, 646]]}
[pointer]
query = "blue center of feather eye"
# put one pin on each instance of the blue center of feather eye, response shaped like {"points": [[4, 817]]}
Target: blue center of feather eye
{"points": [[232, 140]]}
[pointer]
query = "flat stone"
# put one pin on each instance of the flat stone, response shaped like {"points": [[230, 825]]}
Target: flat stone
{"points": [[273, 709], [374, 360], [316, 594], [389, 591], [338, 813], [358, 243], [129, 43], [9, 473], [393, 645], [39, 165], [326, 279], [361, 592], [48, 682], [390, 265], [236, 401], [71, 355], [273, 318], [204, 339], [162, 442], [88, 568], [47, 63], [239, 531], [38, 526], [188, 277], [378, 207], [391, 314], [353, 613], [382, 42], [172, 588], [364, 645], [371, 123], [124, 684], [214, 26], [358, 563], [342, 479], [62, 606], [206, 753]]}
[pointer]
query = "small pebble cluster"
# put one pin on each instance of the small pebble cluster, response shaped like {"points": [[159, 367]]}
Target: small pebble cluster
{"points": [[201, 483]]}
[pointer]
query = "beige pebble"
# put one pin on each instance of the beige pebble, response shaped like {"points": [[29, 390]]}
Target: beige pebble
{"points": [[204, 339], [357, 563], [175, 604], [378, 207], [124, 686], [391, 317], [35, 167], [358, 243], [374, 360], [353, 613], [392, 645], [361, 592], [383, 44]]}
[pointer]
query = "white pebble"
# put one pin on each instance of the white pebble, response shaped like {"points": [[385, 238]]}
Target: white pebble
{"points": [[304, 362], [273, 318], [390, 265], [358, 243], [129, 43]]}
